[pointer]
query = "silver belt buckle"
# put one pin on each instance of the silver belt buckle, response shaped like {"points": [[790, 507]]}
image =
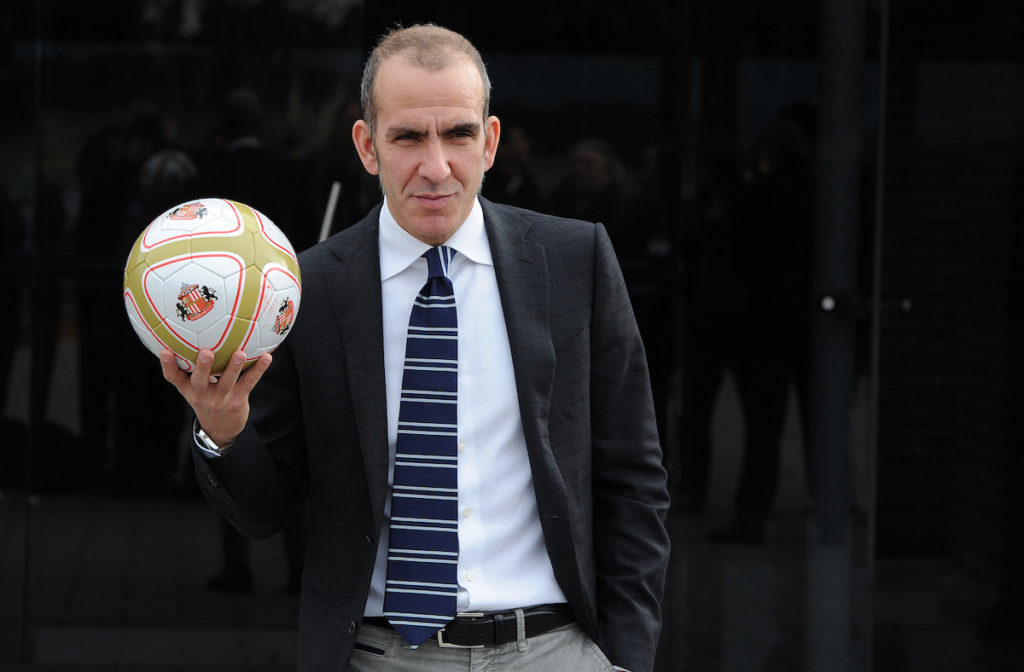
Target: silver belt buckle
{"points": [[448, 645]]}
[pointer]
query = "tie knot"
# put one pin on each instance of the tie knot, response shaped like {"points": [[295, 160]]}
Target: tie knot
{"points": [[438, 259]]}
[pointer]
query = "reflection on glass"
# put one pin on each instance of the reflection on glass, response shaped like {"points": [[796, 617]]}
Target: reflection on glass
{"points": [[710, 206]]}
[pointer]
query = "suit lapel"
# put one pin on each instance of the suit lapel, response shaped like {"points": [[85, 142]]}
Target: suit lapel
{"points": [[522, 271], [355, 298], [521, 268]]}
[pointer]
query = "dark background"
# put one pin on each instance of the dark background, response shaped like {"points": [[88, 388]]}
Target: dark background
{"points": [[895, 539]]}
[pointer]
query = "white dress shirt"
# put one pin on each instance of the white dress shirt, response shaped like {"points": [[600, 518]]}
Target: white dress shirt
{"points": [[503, 563]]}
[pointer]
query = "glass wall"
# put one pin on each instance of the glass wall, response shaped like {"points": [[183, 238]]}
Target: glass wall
{"points": [[116, 111], [743, 157]]}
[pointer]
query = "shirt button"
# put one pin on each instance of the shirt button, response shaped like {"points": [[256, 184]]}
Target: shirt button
{"points": [[469, 576], [462, 446], [467, 512]]}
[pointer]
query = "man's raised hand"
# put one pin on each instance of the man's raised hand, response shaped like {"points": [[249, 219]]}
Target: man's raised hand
{"points": [[221, 403]]}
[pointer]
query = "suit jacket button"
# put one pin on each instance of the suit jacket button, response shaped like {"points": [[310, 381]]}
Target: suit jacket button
{"points": [[351, 628]]}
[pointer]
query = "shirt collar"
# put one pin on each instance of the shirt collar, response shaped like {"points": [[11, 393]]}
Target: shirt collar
{"points": [[399, 248]]}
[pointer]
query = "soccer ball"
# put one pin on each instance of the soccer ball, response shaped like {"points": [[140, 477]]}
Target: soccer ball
{"points": [[212, 274]]}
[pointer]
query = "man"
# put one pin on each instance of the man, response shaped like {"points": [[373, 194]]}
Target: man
{"points": [[561, 497]]}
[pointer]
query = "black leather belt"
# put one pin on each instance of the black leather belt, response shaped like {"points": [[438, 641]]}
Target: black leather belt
{"points": [[478, 629]]}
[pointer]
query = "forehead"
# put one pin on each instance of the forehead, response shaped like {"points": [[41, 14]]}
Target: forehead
{"points": [[405, 88]]}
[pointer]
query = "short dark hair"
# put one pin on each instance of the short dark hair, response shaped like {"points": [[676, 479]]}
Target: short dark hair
{"points": [[426, 45]]}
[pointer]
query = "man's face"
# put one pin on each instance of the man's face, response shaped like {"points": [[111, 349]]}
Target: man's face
{"points": [[431, 144]]}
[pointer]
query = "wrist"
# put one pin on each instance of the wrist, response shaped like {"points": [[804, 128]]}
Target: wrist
{"points": [[206, 442]]}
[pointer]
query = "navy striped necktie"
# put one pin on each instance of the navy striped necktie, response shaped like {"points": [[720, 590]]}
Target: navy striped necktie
{"points": [[422, 583]]}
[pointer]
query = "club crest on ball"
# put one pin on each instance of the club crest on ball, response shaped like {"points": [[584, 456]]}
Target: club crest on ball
{"points": [[189, 211], [285, 317], [195, 301]]}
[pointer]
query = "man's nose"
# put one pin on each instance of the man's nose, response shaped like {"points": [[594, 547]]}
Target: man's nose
{"points": [[434, 165]]}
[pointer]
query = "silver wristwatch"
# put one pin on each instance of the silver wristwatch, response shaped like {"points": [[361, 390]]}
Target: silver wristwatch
{"points": [[203, 439]]}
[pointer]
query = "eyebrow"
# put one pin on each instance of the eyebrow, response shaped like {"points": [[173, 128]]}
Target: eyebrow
{"points": [[468, 127], [472, 128]]}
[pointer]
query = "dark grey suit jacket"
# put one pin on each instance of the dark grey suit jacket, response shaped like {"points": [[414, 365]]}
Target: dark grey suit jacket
{"points": [[318, 429]]}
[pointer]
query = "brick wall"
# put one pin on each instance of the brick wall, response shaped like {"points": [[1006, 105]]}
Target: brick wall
{"points": [[988, 538], [916, 399], [950, 440]]}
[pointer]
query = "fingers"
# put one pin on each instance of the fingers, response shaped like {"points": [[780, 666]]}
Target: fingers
{"points": [[202, 376], [229, 376], [255, 372], [202, 383], [172, 373], [221, 403]]}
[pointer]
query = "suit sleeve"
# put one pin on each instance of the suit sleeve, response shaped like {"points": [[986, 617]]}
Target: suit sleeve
{"points": [[631, 544], [262, 478]]}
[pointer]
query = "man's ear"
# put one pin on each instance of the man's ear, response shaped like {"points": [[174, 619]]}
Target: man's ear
{"points": [[492, 130], [364, 147]]}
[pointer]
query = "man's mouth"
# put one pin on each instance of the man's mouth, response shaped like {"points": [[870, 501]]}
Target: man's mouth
{"points": [[433, 200]]}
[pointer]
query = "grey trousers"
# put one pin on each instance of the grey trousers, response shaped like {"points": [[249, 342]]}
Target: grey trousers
{"points": [[564, 649]]}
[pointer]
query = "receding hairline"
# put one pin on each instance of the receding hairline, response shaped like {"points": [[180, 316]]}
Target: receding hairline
{"points": [[453, 61], [426, 46]]}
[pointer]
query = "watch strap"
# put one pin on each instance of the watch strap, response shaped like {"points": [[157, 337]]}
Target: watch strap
{"points": [[204, 442]]}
